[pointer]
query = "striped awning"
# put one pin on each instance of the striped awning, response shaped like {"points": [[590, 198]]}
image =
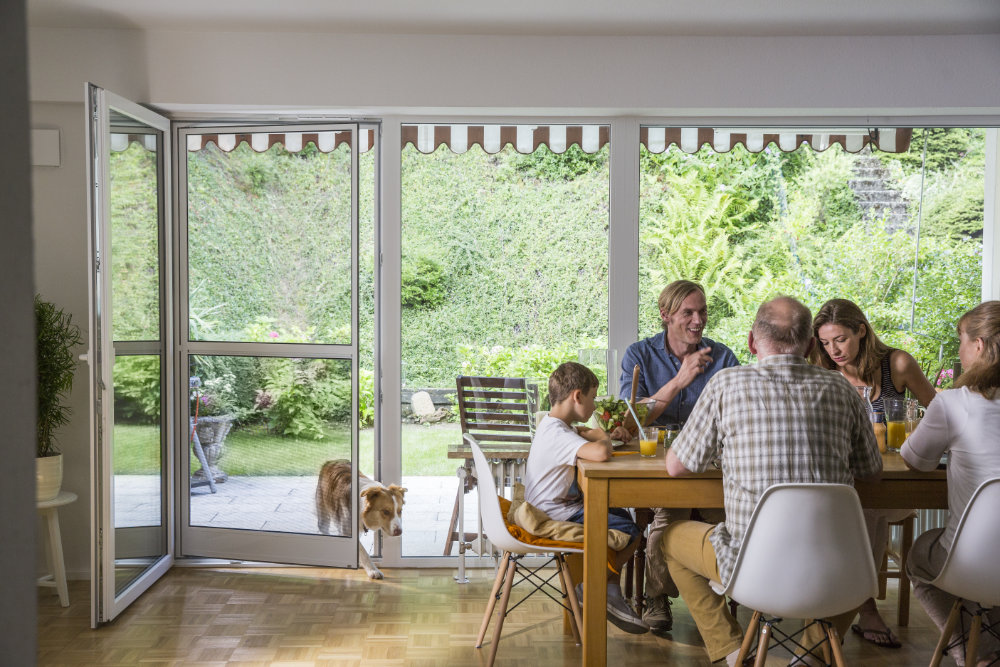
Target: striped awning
{"points": [[120, 141], [293, 142], [755, 140], [426, 138]]}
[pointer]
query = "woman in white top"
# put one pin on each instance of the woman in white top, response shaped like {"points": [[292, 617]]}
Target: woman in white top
{"points": [[963, 422]]}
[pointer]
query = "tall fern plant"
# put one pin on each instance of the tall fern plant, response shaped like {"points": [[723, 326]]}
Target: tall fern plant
{"points": [[56, 336]]}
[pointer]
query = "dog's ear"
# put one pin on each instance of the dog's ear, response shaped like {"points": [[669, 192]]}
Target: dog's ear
{"points": [[370, 491], [397, 492]]}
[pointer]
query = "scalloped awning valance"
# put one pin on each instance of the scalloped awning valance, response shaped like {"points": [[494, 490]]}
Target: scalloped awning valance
{"points": [[723, 140], [293, 142], [120, 141], [459, 138], [493, 138]]}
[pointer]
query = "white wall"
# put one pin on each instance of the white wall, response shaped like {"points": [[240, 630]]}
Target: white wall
{"points": [[624, 76], [380, 74], [60, 211]]}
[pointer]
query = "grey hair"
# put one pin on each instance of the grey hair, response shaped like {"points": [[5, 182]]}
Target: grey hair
{"points": [[784, 323]]}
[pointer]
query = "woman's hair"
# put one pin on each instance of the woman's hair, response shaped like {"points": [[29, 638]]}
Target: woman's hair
{"points": [[673, 296], [569, 377], [846, 313], [983, 322]]}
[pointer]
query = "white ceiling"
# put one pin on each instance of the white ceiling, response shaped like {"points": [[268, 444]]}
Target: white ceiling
{"points": [[532, 17]]}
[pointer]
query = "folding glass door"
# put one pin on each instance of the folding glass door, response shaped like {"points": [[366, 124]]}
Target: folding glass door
{"points": [[129, 347], [268, 340]]}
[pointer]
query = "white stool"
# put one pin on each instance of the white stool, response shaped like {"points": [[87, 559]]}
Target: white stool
{"points": [[49, 509]]}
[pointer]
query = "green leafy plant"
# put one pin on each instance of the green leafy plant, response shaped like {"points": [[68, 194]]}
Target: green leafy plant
{"points": [[422, 284], [137, 388], [301, 397], [56, 336], [215, 396]]}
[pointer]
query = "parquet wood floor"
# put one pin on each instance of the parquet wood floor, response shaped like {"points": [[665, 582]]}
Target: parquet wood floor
{"points": [[318, 616]]}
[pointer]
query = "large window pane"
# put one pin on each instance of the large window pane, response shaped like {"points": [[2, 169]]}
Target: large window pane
{"points": [[817, 226], [140, 534], [269, 239], [266, 425], [505, 273], [135, 253]]}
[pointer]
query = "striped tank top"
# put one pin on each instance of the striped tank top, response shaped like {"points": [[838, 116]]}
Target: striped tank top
{"points": [[888, 389]]}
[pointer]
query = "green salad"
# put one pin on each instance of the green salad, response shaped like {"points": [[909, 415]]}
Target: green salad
{"points": [[611, 412]]}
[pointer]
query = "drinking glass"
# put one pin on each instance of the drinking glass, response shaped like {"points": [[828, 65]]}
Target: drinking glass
{"points": [[647, 441], [895, 417], [878, 425], [912, 415]]}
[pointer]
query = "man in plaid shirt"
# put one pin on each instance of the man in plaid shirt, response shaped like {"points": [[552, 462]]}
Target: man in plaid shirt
{"points": [[779, 420]]}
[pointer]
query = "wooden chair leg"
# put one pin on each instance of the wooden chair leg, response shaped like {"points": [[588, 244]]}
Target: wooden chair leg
{"points": [[748, 638], [629, 572], [883, 575], [504, 599], [765, 639], [640, 576], [834, 639], [949, 627], [452, 533], [903, 601], [501, 573], [972, 647], [576, 615]]}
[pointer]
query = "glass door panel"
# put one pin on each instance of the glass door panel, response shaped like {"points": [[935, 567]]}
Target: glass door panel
{"points": [[130, 370], [504, 273], [139, 480], [269, 234]]}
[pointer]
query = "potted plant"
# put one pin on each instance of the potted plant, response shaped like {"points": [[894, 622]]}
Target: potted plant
{"points": [[213, 409], [55, 338]]}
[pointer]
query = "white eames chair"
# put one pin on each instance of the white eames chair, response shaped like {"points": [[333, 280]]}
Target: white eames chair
{"points": [[510, 566], [805, 555], [971, 572]]}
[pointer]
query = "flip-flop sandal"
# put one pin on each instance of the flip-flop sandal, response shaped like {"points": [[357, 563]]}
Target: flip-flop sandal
{"points": [[883, 638]]}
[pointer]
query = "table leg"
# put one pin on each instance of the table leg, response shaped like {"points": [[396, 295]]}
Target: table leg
{"points": [[51, 515], [595, 564]]}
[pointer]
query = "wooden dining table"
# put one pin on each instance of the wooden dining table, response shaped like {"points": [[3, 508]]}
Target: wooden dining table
{"points": [[628, 480]]}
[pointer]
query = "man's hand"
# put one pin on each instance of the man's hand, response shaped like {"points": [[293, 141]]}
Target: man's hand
{"points": [[621, 433], [693, 365]]}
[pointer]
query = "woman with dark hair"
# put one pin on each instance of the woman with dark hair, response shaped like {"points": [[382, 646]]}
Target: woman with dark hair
{"points": [[846, 342], [962, 422]]}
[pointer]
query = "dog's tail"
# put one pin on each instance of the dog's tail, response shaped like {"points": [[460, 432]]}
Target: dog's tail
{"points": [[332, 496]]}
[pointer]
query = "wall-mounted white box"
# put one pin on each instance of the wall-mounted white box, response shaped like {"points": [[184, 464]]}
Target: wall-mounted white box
{"points": [[45, 148]]}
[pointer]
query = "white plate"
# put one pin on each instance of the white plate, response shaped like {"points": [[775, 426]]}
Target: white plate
{"points": [[617, 443]]}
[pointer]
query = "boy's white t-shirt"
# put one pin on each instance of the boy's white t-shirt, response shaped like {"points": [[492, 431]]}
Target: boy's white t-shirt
{"points": [[551, 469]]}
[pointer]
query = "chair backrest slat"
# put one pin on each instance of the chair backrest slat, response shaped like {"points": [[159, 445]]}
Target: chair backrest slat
{"points": [[496, 407]]}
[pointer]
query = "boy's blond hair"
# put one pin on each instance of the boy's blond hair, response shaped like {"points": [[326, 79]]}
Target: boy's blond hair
{"points": [[569, 377]]}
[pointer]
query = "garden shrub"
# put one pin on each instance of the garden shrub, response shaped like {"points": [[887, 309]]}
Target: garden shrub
{"points": [[137, 388]]}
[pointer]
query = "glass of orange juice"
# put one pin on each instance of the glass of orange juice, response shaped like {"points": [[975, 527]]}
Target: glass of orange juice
{"points": [[878, 425], [895, 423], [647, 442]]}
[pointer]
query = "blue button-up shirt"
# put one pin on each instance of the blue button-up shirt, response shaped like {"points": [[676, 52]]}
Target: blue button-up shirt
{"points": [[657, 367]]}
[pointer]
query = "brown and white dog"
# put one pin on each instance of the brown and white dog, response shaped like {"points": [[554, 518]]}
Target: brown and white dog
{"points": [[380, 507]]}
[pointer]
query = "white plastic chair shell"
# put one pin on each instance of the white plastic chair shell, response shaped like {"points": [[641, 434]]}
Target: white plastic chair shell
{"points": [[489, 508], [805, 553], [970, 571]]}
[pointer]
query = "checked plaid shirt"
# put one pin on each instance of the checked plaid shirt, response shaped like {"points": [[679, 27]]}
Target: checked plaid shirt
{"points": [[780, 420]]}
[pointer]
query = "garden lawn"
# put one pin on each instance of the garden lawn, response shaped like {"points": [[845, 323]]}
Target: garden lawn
{"points": [[254, 452]]}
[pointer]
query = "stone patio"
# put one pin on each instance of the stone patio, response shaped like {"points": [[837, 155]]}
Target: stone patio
{"points": [[287, 504]]}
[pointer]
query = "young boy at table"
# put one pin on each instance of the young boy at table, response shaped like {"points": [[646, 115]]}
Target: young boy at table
{"points": [[550, 475]]}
